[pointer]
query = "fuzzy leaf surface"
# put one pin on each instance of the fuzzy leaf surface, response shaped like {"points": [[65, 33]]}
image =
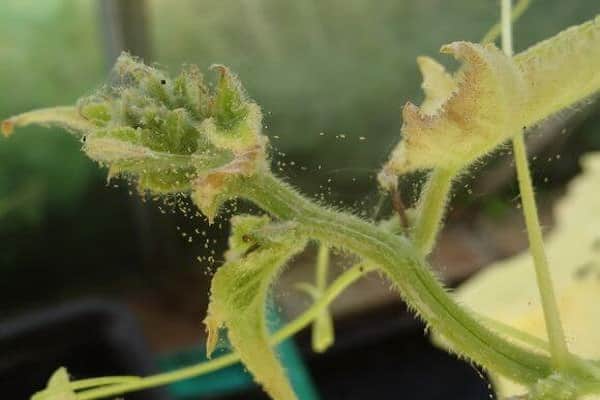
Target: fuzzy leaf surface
{"points": [[491, 98], [239, 290]]}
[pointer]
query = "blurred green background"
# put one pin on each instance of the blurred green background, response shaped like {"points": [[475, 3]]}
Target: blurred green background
{"points": [[331, 76]]}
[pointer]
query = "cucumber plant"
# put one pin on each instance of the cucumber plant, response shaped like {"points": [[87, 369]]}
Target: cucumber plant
{"points": [[179, 135]]}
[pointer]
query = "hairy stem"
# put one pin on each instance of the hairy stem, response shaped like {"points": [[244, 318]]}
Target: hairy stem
{"points": [[403, 263], [515, 333], [556, 336], [322, 269], [432, 207], [558, 346], [120, 385], [505, 21]]}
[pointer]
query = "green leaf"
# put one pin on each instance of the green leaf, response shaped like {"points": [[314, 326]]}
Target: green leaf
{"points": [[230, 105], [58, 388], [236, 120], [258, 251]]}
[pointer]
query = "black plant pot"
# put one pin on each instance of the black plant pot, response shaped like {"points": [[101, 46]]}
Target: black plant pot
{"points": [[89, 338]]}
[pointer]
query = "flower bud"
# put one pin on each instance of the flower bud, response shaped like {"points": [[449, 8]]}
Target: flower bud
{"points": [[169, 135]]}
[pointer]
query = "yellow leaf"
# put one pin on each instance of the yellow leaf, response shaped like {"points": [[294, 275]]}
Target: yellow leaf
{"points": [[507, 292], [438, 85], [492, 98], [475, 112], [561, 71]]}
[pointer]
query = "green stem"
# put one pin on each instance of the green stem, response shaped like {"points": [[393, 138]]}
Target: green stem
{"points": [[322, 329], [582, 367], [402, 262], [507, 43], [305, 319], [160, 379], [556, 337], [103, 381], [322, 268], [334, 290], [496, 30], [432, 207], [515, 333]]}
